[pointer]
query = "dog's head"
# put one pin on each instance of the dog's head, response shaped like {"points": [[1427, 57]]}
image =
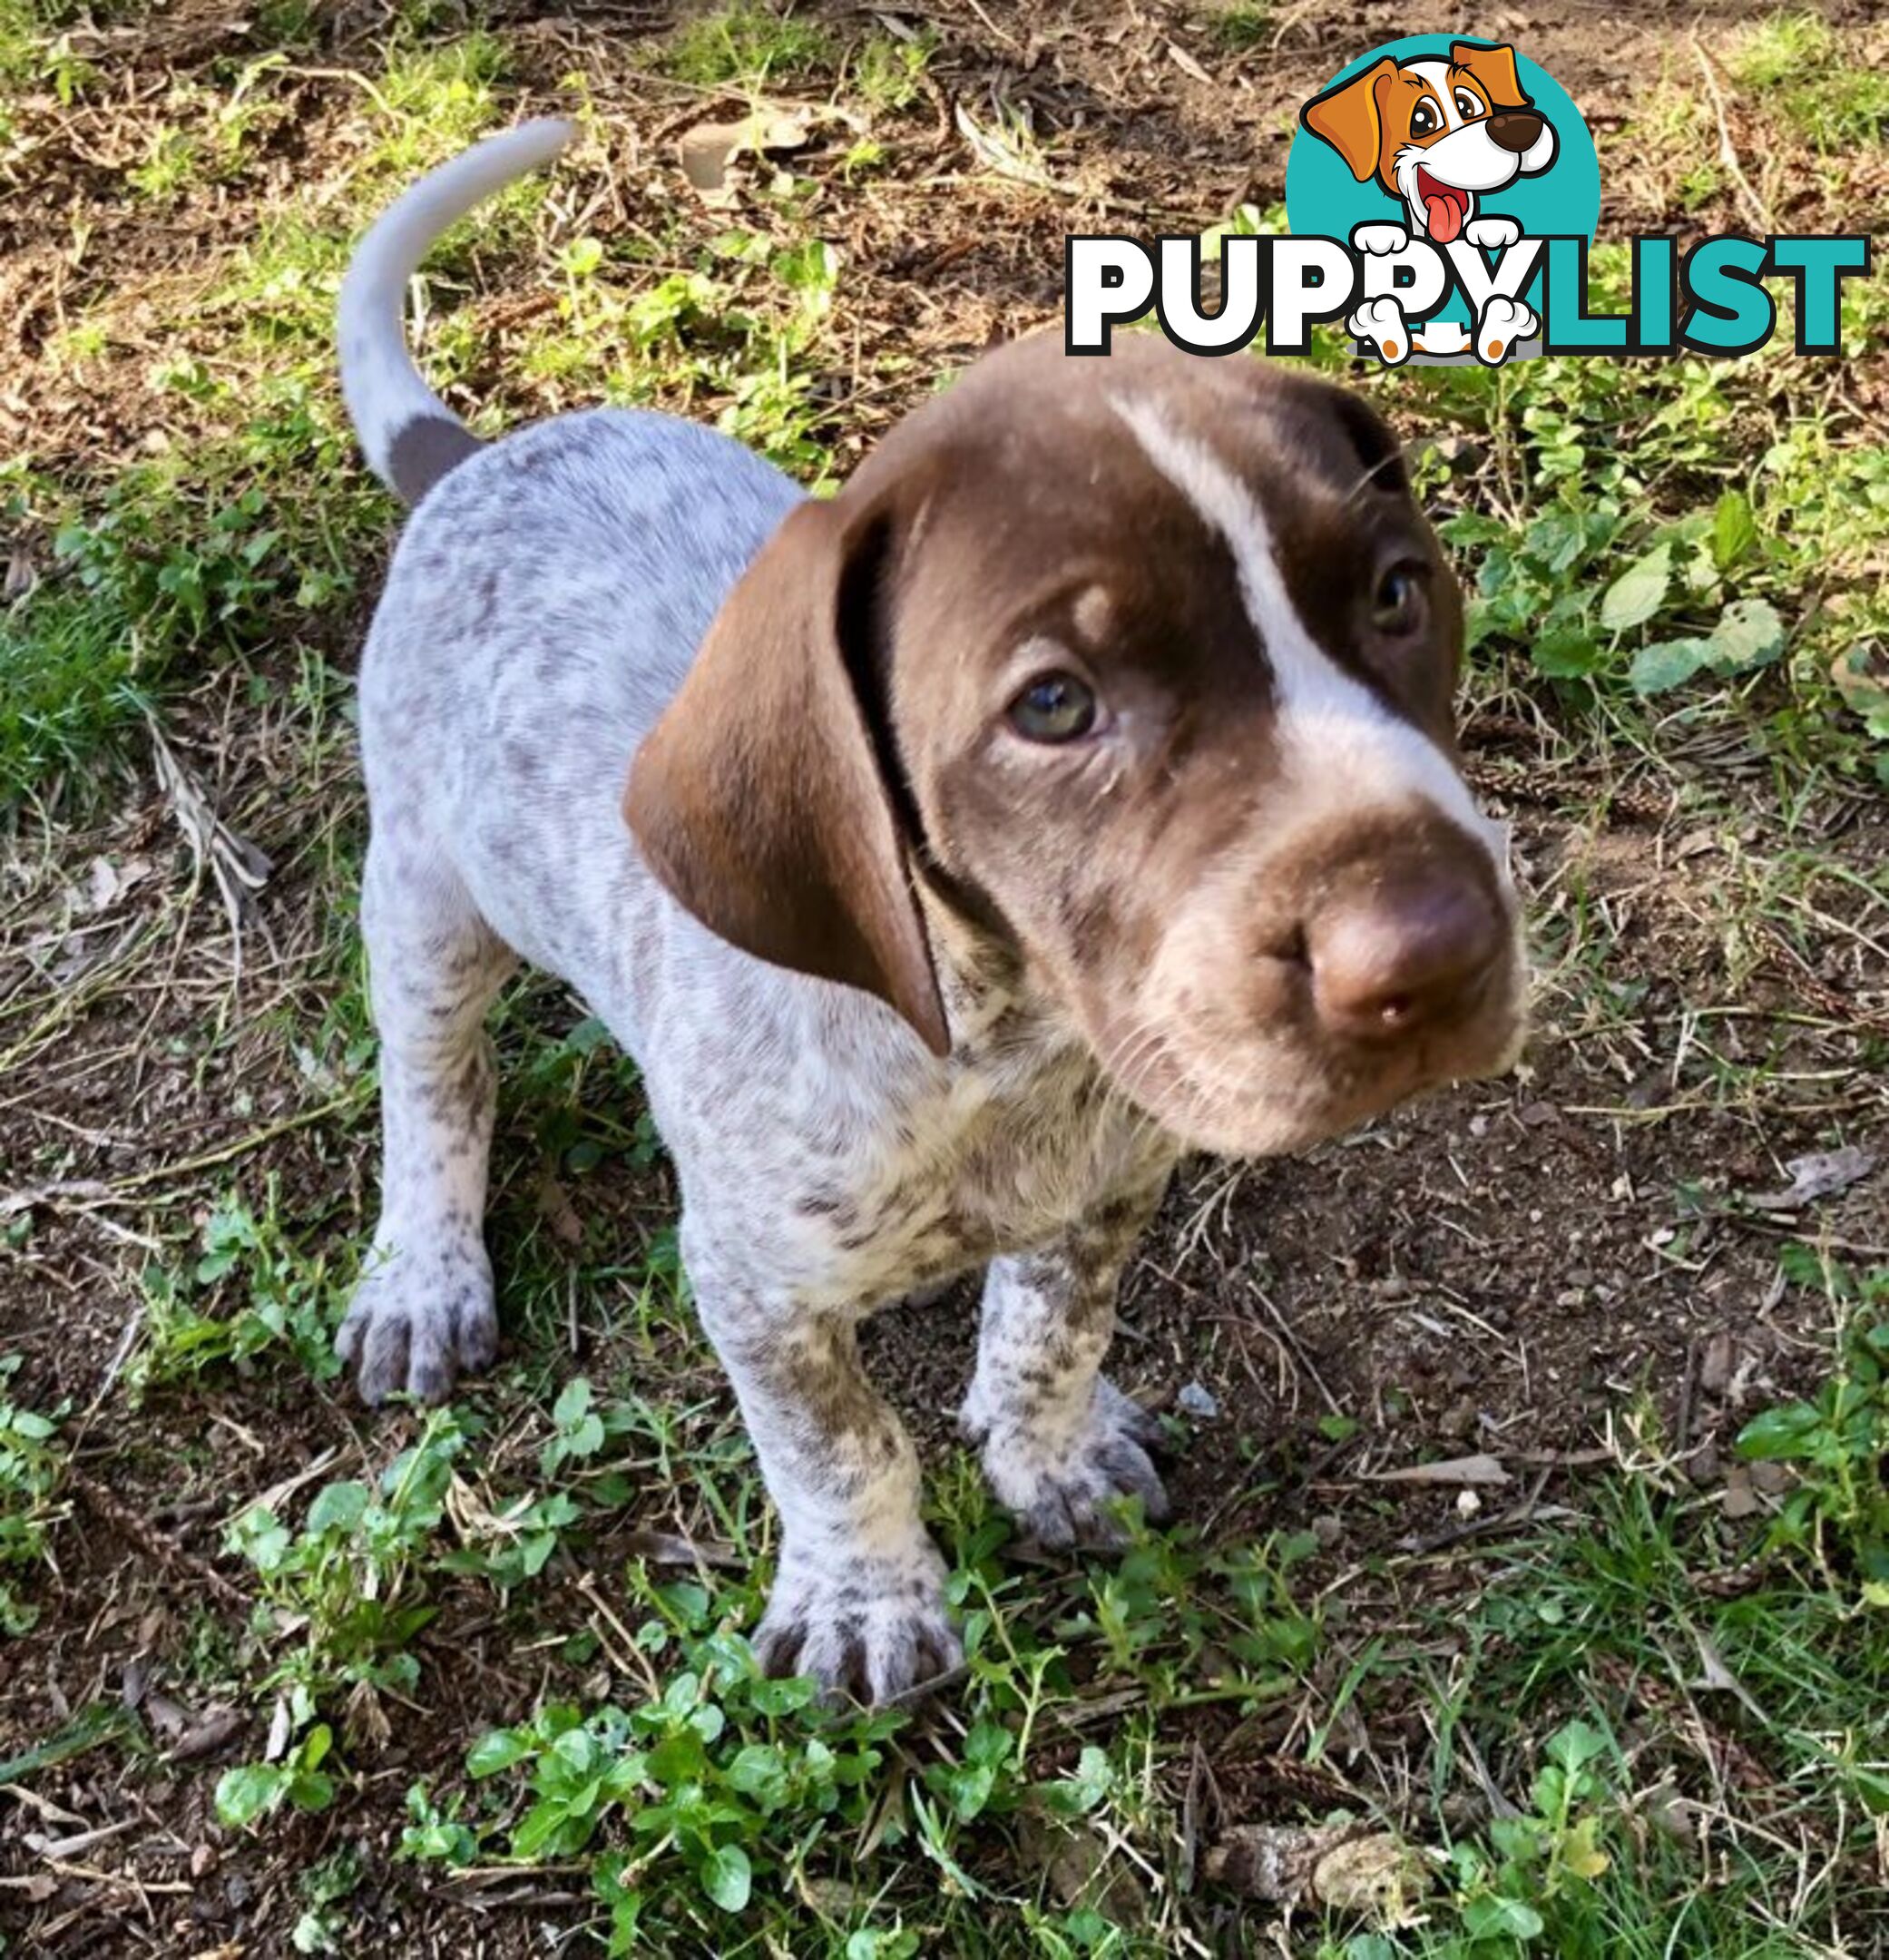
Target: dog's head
{"points": [[1435, 134], [1141, 668]]}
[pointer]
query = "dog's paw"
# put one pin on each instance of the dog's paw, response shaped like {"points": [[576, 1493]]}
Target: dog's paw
{"points": [[872, 1628], [1065, 1495], [1379, 240], [1504, 322], [422, 1314], [1492, 234], [1382, 323]]}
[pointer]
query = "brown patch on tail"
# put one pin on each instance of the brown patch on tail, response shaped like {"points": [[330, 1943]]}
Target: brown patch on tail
{"points": [[425, 450]]}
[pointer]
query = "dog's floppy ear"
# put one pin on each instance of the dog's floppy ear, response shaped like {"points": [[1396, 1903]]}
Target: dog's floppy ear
{"points": [[760, 799], [1348, 118], [1494, 68]]}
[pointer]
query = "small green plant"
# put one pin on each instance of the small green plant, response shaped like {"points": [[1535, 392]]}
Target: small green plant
{"points": [[1838, 1440], [749, 43], [296, 1778], [711, 1776], [248, 1292], [1241, 24], [351, 1579], [31, 1467], [888, 74], [1535, 1875], [169, 170], [325, 1886], [1536, 586]]}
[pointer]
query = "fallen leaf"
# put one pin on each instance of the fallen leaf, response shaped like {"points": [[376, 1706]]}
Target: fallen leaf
{"points": [[1738, 1500], [997, 151], [1371, 1873], [168, 1718], [1273, 1862], [560, 1213], [1822, 1174], [1379, 1877], [708, 148], [214, 1729], [665, 1548], [282, 1726], [1479, 1469], [1186, 62]]}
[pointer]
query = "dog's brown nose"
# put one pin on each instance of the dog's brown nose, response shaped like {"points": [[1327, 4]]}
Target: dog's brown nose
{"points": [[1387, 962], [1515, 128]]}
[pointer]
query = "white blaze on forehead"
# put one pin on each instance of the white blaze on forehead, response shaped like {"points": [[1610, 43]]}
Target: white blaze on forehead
{"points": [[1340, 747], [1437, 74]]}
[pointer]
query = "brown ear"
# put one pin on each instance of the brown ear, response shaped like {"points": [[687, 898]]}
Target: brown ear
{"points": [[759, 798], [1348, 119], [1494, 68]]}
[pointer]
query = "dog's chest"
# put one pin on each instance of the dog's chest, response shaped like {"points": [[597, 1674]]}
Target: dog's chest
{"points": [[988, 1165]]}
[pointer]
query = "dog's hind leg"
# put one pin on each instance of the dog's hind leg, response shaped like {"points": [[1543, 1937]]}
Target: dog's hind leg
{"points": [[424, 1308]]}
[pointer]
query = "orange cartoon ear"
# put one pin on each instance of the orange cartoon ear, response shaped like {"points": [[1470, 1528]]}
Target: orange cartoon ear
{"points": [[1494, 68], [1349, 119]]}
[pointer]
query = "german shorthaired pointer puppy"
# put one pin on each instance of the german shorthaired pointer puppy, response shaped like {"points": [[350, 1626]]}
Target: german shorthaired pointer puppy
{"points": [[1074, 790]]}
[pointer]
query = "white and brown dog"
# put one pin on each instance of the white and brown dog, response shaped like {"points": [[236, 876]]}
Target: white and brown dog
{"points": [[1077, 787], [1438, 136]]}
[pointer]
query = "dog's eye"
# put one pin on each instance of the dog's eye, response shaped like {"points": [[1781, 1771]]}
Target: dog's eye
{"points": [[1400, 605], [1467, 105], [1054, 708], [1423, 119]]}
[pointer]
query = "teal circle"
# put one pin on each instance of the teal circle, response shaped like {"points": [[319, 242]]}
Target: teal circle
{"points": [[1323, 199]]}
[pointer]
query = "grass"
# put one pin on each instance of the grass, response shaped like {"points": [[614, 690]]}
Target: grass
{"points": [[752, 45], [1606, 1716], [1834, 102], [1240, 24]]}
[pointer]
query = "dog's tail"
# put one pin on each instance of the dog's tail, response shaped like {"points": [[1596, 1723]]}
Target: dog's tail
{"points": [[411, 437]]}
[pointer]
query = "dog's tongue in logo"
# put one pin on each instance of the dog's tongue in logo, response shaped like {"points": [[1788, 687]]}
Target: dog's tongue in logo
{"points": [[1444, 206]]}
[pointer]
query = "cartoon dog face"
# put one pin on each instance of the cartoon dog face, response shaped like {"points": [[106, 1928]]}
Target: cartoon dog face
{"points": [[1436, 134]]}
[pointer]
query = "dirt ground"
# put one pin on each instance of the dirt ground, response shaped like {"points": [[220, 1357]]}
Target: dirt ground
{"points": [[1555, 1269]]}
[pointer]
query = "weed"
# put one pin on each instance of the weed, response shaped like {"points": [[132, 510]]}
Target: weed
{"points": [[253, 1790], [280, 1300], [326, 1884], [1838, 1440], [31, 1467], [888, 73], [1240, 24], [750, 43], [83, 649], [1795, 61], [351, 1580]]}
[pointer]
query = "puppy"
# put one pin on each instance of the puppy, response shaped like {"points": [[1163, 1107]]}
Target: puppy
{"points": [[1074, 789], [1438, 136]]}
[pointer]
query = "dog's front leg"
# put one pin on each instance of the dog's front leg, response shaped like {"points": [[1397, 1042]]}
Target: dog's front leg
{"points": [[1061, 1442], [858, 1596]]}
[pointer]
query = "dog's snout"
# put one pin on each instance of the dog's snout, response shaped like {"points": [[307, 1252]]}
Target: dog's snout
{"points": [[1515, 128], [1389, 961]]}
